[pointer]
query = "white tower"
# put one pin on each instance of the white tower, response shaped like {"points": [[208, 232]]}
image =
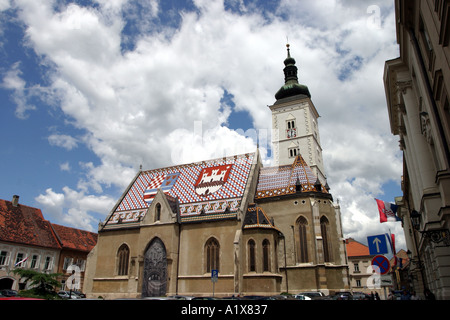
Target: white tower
{"points": [[294, 123]]}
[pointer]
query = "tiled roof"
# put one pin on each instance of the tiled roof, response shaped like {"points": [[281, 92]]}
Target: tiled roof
{"points": [[203, 189], [282, 180], [25, 225], [356, 249], [257, 218], [75, 239]]}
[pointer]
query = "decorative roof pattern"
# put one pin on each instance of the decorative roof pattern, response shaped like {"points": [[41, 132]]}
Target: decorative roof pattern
{"points": [[256, 218], [202, 188], [282, 180]]}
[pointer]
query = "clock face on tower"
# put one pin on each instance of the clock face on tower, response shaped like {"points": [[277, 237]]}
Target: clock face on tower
{"points": [[291, 133]]}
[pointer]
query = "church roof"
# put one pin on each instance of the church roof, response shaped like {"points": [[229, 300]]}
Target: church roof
{"points": [[204, 190], [256, 218], [287, 179]]}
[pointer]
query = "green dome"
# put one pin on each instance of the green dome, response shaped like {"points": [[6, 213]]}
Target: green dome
{"points": [[291, 86], [292, 89]]}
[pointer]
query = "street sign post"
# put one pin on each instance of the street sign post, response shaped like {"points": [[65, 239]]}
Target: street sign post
{"points": [[382, 263], [377, 244], [214, 277]]}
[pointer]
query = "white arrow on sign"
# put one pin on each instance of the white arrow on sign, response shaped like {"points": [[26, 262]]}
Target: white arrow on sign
{"points": [[377, 242]]}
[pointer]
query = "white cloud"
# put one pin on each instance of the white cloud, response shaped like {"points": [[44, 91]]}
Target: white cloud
{"points": [[63, 141], [4, 5], [13, 81], [140, 105], [65, 166], [74, 208]]}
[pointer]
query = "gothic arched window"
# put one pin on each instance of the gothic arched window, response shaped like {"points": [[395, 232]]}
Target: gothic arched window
{"points": [[302, 224], [158, 212], [325, 230], [266, 255], [123, 255], [212, 250], [251, 255]]}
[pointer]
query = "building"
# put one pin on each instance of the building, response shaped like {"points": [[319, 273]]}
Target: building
{"points": [[361, 271], [27, 240], [400, 271], [75, 246], [265, 230], [417, 88]]}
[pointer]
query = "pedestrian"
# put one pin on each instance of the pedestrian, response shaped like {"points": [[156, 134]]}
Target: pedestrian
{"points": [[372, 296], [377, 297], [405, 295], [428, 294], [414, 296], [391, 295]]}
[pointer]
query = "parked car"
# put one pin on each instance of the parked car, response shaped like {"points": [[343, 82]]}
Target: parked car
{"points": [[345, 295], [8, 293], [314, 295], [360, 296], [301, 296], [80, 294], [281, 297], [68, 295], [180, 297]]}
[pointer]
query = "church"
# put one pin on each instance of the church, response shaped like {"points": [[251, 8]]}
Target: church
{"points": [[259, 230]]}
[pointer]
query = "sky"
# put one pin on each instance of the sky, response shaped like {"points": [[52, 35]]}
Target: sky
{"points": [[90, 91]]}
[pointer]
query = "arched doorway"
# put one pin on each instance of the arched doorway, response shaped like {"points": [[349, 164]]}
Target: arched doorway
{"points": [[155, 270], [6, 283]]}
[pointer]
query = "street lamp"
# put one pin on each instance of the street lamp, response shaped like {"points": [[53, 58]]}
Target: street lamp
{"points": [[415, 219], [409, 254]]}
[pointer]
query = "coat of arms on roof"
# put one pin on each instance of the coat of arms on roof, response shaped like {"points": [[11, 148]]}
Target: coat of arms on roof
{"points": [[211, 179], [163, 181]]}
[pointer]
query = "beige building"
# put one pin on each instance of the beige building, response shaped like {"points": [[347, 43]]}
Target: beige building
{"points": [[362, 275], [264, 230], [417, 90]]}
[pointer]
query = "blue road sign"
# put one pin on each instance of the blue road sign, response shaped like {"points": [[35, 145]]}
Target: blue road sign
{"points": [[214, 275], [377, 244], [382, 263]]}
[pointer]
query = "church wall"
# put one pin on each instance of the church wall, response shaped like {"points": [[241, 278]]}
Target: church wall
{"points": [[106, 281], [260, 281], [285, 214], [304, 278], [193, 277], [315, 273], [168, 234]]}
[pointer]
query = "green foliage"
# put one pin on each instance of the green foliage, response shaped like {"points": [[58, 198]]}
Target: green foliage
{"points": [[43, 284]]}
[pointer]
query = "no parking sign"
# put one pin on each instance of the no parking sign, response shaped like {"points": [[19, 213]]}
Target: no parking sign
{"points": [[382, 263]]}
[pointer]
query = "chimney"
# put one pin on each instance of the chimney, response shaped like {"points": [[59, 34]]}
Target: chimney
{"points": [[15, 200]]}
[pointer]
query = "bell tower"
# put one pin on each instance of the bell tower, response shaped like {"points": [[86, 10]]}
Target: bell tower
{"points": [[294, 123]]}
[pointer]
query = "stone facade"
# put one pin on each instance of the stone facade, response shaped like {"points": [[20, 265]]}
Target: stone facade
{"points": [[417, 90]]}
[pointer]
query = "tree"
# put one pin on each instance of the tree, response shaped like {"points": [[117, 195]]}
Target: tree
{"points": [[43, 284]]}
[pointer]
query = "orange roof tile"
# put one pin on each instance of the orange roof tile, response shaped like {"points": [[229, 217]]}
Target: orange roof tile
{"points": [[75, 239], [356, 249], [25, 225]]}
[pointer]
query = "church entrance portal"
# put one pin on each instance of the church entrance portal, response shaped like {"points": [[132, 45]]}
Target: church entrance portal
{"points": [[155, 270]]}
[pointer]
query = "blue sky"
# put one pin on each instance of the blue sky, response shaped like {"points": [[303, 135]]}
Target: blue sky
{"points": [[91, 90]]}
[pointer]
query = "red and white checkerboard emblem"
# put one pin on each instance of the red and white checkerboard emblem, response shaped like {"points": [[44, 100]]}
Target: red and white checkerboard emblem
{"points": [[152, 188]]}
